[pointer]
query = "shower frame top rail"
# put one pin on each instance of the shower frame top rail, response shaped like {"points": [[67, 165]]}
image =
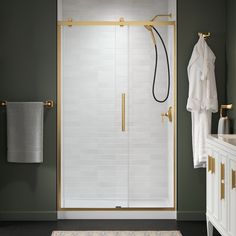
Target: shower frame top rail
{"points": [[119, 23]]}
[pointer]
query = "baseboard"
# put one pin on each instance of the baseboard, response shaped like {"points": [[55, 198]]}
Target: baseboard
{"points": [[191, 216], [28, 215]]}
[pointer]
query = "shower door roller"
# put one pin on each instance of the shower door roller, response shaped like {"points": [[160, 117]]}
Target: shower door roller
{"points": [[167, 114]]}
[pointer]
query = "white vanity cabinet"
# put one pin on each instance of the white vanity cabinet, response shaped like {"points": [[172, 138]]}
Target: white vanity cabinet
{"points": [[221, 184], [232, 198]]}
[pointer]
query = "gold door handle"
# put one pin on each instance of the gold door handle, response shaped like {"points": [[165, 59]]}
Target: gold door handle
{"points": [[233, 179], [222, 181], [123, 112], [167, 114]]}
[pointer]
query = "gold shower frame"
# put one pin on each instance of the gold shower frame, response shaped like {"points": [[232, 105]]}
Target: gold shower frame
{"points": [[121, 22]]}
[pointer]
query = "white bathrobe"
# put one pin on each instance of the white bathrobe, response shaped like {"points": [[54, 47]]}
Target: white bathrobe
{"points": [[202, 99]]}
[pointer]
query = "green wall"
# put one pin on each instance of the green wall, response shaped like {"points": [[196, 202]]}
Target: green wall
{"points": [[231, 59], [193, 17], [28, 73]]}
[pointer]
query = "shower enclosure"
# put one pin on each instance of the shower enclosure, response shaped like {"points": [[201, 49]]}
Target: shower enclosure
{"points": [[116, 144]]}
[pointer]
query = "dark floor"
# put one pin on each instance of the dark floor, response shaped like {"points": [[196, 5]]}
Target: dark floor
{"points": [[187, 228]]}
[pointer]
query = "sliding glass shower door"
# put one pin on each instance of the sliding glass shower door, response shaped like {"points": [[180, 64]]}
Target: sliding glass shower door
{"points": [[116, 151], [94, 149]]}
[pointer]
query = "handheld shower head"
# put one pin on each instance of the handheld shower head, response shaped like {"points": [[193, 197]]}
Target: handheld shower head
{"points": [[150, 27]]}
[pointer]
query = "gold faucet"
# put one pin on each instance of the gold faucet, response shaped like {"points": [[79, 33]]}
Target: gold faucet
{"points": [[167, 114]]}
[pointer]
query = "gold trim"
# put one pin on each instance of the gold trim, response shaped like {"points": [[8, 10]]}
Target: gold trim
{"points": [[222, 181], [58, 117], [107, 23], [233, 179], [123, 112], [118, 209], [119, 23], [213, 165], [175, 116], [209, 163]]}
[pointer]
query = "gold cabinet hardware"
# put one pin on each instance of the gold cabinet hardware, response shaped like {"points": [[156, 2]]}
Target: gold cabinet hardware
{"points": [[233, 179], [213, 165], [167, 114], [209, 163], [222, 181], [123, 112]]}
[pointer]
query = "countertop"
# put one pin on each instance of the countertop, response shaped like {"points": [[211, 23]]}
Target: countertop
{"points": [[227, 140]]}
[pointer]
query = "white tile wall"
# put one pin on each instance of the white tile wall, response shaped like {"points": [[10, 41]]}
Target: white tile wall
{"points": [[102, 166]]}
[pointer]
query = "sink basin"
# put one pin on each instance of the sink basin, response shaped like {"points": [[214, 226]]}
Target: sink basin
{"points": [[228, 138]]}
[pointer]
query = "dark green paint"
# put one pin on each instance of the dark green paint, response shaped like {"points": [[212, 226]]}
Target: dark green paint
{"points": [[231, 59], [28, 73], [193, 17]]}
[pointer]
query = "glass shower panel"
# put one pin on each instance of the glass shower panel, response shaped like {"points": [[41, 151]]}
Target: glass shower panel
{"points": [[151, 180], [94, 149]]}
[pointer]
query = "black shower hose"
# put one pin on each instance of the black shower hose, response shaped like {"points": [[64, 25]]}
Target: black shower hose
{"points": [[155, 70]]}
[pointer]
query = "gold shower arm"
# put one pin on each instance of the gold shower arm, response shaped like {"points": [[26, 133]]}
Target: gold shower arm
{"points": [[149, 27], [161, 15]]}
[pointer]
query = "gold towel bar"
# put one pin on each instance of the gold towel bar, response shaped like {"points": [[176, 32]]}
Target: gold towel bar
{"points": [[47, 104]]}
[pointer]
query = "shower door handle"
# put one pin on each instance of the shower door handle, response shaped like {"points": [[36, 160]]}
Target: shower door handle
{"points": [[123, 112]]}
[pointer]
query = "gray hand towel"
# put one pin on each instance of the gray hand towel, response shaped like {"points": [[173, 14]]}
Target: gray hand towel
{"points": [[25, 132]]}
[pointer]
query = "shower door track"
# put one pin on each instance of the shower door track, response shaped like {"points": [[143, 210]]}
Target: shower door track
{"points": [[121, 23]]}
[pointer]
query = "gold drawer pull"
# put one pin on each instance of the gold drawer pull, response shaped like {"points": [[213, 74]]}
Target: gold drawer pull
{"points": [[209, 163], [222, 183], [213, 165], [233, 179], [123, 112]]}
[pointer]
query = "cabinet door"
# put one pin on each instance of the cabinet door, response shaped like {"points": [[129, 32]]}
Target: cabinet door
{"points": [[209, 182], [232, 197], [215, 183], [223, 189]]}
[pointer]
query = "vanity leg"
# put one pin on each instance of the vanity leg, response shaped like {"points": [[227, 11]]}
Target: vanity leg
{"points": [[209, 228]]}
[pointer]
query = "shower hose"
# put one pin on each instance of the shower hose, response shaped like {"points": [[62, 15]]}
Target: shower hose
{"points": [[155, 70]]}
